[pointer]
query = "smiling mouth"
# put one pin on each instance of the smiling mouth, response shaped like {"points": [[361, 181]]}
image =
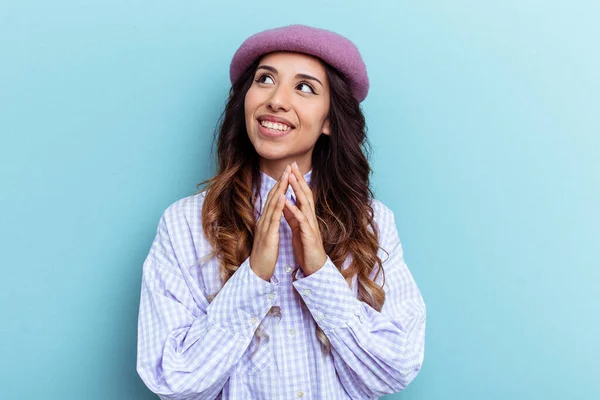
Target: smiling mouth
{"points": [[275, 126], [274, 130]]}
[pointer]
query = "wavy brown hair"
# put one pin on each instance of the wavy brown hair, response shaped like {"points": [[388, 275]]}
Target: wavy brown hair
{"points": [[339, 181]]}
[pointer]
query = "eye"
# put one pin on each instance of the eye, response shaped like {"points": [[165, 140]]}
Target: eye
{"points": [[261, 78], [306, 85]]}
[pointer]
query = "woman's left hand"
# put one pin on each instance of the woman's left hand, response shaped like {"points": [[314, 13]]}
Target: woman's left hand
{"points": [[306, 235]]}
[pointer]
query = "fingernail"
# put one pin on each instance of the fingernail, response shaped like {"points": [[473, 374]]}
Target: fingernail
{"points": [[296, 164]]}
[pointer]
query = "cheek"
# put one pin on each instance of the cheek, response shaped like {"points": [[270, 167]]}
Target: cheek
{"points": [[250, 102], [312, 115]]}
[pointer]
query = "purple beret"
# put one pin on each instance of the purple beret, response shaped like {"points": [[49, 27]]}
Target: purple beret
{"points": [[334, 49]]}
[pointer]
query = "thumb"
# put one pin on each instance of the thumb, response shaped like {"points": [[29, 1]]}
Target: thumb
{"points": [[289, 217]]}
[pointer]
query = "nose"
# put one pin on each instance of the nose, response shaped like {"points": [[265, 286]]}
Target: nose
{"points": [[280, 99]]}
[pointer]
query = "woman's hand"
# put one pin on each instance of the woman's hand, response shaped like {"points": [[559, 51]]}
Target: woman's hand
{"points": [[265, 249], [306, 235]]}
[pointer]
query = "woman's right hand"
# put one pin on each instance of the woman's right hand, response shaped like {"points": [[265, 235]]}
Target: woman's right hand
{"points": [[265, 249]]}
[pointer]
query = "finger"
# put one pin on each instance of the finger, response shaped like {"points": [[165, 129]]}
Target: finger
{"points": [[281, 189], [300, 217], [276, 216], [303, 184], [289, 217], [304, 205], [270, 197]]}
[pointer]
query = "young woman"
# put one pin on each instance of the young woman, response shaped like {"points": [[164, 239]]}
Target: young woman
{"points": [[284, 278]]}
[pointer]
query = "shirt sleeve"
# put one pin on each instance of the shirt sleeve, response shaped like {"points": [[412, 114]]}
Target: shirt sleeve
{"points": [[374, 353], [187, 350]]}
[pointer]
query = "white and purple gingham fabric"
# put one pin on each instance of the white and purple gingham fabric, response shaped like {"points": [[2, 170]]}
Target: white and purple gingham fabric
{"points": [[189, 348]]}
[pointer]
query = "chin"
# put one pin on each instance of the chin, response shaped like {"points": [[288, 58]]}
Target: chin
{"points": [[272, 154], [269, 149]]}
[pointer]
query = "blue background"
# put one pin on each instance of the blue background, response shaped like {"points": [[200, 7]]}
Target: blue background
{"points": [[484, 120]]}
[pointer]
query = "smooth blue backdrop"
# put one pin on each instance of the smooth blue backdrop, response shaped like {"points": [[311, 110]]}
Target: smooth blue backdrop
{"points": [[484, 120]]}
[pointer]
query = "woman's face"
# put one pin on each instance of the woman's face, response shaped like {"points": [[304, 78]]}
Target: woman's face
{"points": [[286, 110]]}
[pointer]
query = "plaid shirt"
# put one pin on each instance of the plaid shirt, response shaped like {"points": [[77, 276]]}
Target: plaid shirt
{"points": [[189, 348]]}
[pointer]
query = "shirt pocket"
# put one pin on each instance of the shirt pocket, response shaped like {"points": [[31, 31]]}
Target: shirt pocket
{"points": [[256, 357]]}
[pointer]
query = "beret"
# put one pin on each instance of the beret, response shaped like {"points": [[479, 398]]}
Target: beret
{"points": [[335, 49]]}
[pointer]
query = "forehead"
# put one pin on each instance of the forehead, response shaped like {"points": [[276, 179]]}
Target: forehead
{"points": [[286, 61]]}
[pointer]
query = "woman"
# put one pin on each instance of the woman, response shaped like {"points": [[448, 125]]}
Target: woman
{"points": [[284, 277]]}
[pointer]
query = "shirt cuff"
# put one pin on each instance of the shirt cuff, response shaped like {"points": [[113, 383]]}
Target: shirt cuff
{"points": [[328, 297], [244, 301]]}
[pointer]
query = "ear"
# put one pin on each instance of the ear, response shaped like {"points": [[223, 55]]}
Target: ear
{"points": [[326, 130]]}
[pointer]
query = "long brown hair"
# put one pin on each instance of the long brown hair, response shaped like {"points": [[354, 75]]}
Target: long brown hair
{"points": [[339, 181]]}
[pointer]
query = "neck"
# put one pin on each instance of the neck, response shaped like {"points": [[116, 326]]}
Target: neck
{"points": [[275, 168]]}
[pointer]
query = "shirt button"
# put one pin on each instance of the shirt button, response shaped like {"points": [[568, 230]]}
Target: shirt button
{"points": [[254, 320], [292, 332], [270, 296], [307, 292], [288, 269], [300, 394], [320, 317]]}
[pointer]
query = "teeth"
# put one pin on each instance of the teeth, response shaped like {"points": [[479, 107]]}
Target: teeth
{"points": [[276, 126]]}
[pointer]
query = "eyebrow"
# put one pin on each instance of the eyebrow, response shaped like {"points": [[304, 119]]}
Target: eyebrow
{"points": [[303, 76]]}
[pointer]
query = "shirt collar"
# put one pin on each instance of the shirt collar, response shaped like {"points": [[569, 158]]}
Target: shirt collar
{"points": [[267, 183]]}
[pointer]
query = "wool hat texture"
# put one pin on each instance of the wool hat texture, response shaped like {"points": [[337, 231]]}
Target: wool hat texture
{"points": [[333, 48]]}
